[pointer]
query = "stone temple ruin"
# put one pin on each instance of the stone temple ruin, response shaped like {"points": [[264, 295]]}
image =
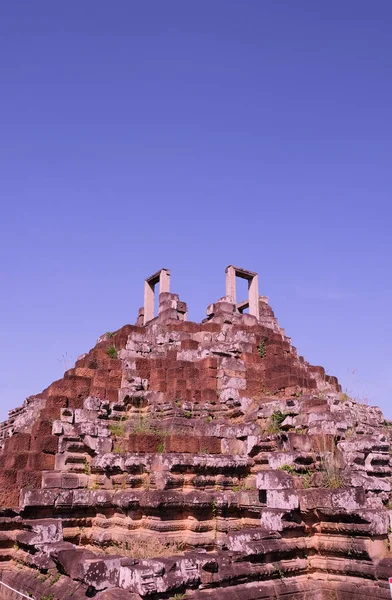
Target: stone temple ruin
{"points": [[195, 460]]}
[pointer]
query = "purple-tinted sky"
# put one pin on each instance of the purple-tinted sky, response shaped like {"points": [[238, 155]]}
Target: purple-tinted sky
{"points": [[192, 135]]}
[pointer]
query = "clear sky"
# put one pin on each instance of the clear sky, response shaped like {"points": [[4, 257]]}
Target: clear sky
{"points": [[191, 135]]}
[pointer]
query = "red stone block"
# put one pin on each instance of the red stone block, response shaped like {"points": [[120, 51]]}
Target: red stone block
{"points": [[17, 460], [143, 367], [47, 443], [211, 327], [181, 385], [31, 479], [76, 402], [96, 391], [111, 394], [9, 497], [7, 478], [144, 442], [208, 383], [55, 401], [209, 445], [41, 428], [175, 373], [191, 373], [41, 462], [208, 363], [195, 395], [185, 326], [189, 345], [251, 359], [192, 383], [181, 443], [209, 396], [254, 387], [162, 386], [20, 442]]}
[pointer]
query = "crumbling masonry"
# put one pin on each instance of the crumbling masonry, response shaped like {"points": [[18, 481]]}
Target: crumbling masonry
{"points": [[199, 461]]}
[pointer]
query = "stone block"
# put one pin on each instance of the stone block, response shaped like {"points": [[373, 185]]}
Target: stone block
{"points": [[274, 480], [67, 415], [42, 531], [283, 498], [40, 461], [346, 498], [18, 443]]}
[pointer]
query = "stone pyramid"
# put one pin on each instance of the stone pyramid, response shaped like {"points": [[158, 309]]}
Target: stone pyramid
{"points": [[195, 460]]}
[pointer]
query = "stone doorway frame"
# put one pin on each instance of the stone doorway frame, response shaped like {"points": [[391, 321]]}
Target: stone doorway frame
{"points": [[253, 289], [163, 278]]}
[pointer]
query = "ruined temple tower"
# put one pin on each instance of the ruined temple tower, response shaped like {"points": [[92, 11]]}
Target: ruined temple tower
{"points": [[195, 460]]}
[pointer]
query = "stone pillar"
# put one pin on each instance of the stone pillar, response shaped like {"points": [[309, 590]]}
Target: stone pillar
{"points": [[253, 287], [230, 284], [148, 302], [164, 281]]}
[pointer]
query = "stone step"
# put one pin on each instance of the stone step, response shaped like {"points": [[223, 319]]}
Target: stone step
{"points": [[72, 462]]}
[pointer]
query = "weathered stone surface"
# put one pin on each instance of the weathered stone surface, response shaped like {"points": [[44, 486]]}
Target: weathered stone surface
{"points": [[179, 459]]}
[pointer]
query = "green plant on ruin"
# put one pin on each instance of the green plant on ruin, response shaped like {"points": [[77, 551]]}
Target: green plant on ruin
{"points": [[86, 467], [288, 469], [137, 548], [332, 476], [242, 487], [146, 484], [306, 478], [119, 447], [350, 432], [55, 579], [178, 597], [160, 447], [117, 429], [261, 348], [278, 571], [143, 425], [109, 334], [304, 474], [208, 419], [275, 421], [265, 391], [112, 351], [187, 414], [50, 597]]}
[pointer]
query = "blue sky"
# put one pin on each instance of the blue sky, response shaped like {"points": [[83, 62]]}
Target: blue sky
{"points": [[192, 135]]}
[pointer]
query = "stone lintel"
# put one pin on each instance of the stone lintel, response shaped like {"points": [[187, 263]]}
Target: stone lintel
{"points": [[243, 273]]}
